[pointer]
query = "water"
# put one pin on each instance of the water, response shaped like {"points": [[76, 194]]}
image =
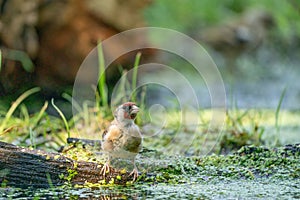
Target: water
{"points": [[255, 81], [221, 189]]}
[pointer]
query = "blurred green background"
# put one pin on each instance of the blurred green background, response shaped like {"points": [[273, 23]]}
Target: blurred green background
{"points": [[254, 76], [190, 15]]}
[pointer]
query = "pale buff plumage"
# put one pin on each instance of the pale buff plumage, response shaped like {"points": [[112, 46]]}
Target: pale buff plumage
{"points": [[122, 139]]}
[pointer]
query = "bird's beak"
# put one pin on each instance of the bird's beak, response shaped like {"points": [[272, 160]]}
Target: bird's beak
{"points": [[133, 112]]}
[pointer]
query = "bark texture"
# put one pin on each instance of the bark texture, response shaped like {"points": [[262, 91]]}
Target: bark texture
{"points": [[23, 167]]}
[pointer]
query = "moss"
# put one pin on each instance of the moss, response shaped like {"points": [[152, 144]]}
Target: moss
{"points": [[119, 177], [71, 173], [250, 162], [80, 152]]}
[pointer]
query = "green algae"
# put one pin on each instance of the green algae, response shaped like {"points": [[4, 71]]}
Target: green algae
{"points": [[251, 172], [255, 162], [249, 163]]}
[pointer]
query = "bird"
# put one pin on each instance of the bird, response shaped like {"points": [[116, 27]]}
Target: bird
{"points": [[122, 139]]}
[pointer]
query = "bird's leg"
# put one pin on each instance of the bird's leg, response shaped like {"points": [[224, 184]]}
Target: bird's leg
{"points": [[134, 172], [106, 167]]}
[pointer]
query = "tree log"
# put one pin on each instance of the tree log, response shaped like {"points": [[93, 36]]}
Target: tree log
{"points": [[24, 167]]}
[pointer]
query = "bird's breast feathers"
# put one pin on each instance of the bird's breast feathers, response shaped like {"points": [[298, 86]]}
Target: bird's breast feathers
{"points": [[127, 138]]}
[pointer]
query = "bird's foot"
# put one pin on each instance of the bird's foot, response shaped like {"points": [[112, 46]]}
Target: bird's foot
{"points": [[135, 174], [105, 169]]}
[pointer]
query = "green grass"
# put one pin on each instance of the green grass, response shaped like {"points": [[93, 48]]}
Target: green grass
{"points": [[195, 14], [134, 76], [62, 117], [243, 127], [31, 129], [277, 112], [102, 87], [102, 95], [14, 106]]}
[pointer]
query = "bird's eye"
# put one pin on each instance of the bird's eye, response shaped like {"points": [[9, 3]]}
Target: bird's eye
{"points": [[129, 107]]}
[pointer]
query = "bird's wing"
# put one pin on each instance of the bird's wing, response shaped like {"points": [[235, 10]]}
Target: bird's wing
{"points": [[133, 145], [111, 138], [113, 133], [132, 140], [104, 134]]}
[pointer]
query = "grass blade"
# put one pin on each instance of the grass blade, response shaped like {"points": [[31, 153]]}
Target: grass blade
{"points": [[25, 114], [32, 138], [102, 79], [277, 113], [72, 101], [62, 116], [134, 75], [42, 111], [16, 104]]}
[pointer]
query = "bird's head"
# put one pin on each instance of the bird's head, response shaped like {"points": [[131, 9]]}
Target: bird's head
{"points": [[126, 112]]}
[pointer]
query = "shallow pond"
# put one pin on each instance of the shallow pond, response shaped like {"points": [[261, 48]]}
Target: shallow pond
{"points": [[222, 189]]}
